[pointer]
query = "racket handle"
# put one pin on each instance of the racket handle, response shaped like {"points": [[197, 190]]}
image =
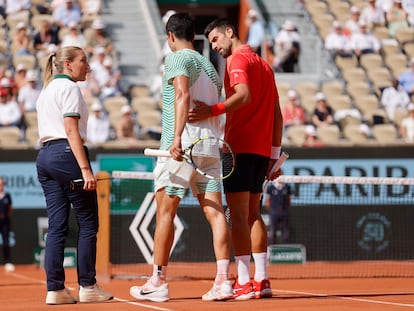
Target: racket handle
{"points": [[156, 152], [279, 162]]}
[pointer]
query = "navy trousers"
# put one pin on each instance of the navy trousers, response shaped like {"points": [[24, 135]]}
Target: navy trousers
{"points": [[56, 167]]}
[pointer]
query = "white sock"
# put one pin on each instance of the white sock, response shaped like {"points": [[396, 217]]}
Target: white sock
{"points": [[222, 271], [243, 268], [159, 274], [260, 264]]}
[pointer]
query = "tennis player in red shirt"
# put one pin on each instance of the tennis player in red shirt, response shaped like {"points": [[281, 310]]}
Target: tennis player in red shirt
{"points": [[253, 128]]}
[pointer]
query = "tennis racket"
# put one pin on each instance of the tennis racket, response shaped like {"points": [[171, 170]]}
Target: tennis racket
{"points": [[278, 164], [201, 149]]}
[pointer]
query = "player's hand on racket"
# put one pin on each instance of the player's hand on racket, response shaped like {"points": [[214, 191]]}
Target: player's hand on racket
{"points": [[199, 153], [272, 175], [274, 169], [176, 150], [201, 112]]}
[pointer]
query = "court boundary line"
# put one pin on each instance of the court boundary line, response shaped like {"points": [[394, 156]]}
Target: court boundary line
{"points": [[346, 298], [134, 303]]}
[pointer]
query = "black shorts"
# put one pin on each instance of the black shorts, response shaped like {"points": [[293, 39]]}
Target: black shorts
{"points": [[248, 175]]}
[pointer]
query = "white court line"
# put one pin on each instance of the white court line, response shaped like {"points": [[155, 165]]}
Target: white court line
{"points": [[142, 305], [350, 298]]}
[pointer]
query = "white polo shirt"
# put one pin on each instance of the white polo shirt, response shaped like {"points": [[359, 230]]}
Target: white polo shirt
{"points": [[61, 98]]}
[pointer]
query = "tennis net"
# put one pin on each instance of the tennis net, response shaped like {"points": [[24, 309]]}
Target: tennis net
{"points": [[340, 227]]}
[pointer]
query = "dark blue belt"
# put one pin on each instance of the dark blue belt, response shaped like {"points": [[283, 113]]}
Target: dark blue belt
{"points": [[55, 141]]}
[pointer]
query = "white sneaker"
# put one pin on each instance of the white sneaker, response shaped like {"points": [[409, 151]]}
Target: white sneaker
{"points": [[9, 267], [93, 294], [59, 297], [223, 291], [150, 292]]}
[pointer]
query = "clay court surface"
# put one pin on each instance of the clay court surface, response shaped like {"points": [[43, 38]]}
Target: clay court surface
{"points": [[25, 289]]}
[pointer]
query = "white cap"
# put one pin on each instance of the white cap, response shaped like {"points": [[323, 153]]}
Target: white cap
{"points": [[107, 62], [252, 13], [336, 24], [354, 9], [99, 50], [73, 25], [410, 107], [52, 48], [362, 23], [320, 96], [21, 67], [125, 109], [288, 25], [292, 94], [21, 25], [5, 82], [98, 24], [31, 76], [310, 130], [96, 106]]}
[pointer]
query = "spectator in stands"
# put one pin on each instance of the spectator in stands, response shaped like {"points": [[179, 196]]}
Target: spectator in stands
{"points": [[74, 37], [407, 125], [21, 40], [98, 125], [20, 76], [311, 137], [385, 5], [18, 9], [66, 13], [396, 17], [372, 15], [27, 97], [111, 87], [100, 38], [256, 31], [10, 114], [126, 128], [91, 8], [8, 84], [287, 48], [406, 79], [364, 41], [46, 36], [3, 72], [408, 6], [293, 113], [99, 70], [323, 113], [29, 93], [337, 43], [89, 87], [3, 9], [352, 23], [54, 4], [393, 97]]}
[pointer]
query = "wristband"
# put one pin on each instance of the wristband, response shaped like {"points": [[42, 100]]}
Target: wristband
{"points": [[218, 109], [84, 167], [275, 153]]}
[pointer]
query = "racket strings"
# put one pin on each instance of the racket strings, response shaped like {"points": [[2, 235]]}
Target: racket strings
{"points": [[214, 148]]}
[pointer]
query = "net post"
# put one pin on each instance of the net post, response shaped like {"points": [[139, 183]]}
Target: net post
{"points": [[103, 192]]}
